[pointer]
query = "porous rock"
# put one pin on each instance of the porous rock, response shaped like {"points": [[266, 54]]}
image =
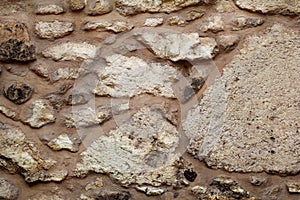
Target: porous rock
{"points": [[154, 21], [15, 42], [241, 23], [179, 46], [76, 5], [247, 120], [124, 77], [227, 42], [135, 152], [100, 7], [8, 191], [18, 92], [49, 8], [116, 26], [214, 24], [53, 29], [62, 142]]}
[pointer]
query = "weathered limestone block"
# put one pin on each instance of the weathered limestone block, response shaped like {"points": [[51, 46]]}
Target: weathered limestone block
{"points": [[15, 43], [54, 29], [248, 119]]}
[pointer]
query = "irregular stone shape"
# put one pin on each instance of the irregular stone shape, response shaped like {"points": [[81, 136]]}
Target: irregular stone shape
{"points": [[154, 21], [223, 6], [117, 195], [270, 6], [272, 192], [116, 26], [49, 9], [226, 42], [64, 142], [54, 29], [257, 181], [42, 114], [176, 20], [248, 119], [8, 191], [76, 5], [151, 191], [8, 112], [136, 152], [77, 99], [193, 15], [293, 188], [98, 183], [23, 154], [18, 92], [70, 51], [125, 77], [56, 176], [100, 7], [68, 73], [214, 24], [179, 46], [241, 23], [129, 7], [15, 42]]}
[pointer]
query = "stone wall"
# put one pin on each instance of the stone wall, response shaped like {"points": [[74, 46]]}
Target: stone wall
{"points": [[136, 99]]}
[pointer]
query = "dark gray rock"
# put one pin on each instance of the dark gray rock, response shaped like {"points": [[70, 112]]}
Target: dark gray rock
{"points": [[18, 92]]}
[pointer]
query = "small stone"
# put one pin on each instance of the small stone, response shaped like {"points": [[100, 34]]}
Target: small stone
{"points": [[257, 181], [56, 176], [150, 191], [190, 175], [118, 195], [242, 23], [76, 5], [68, 73], [70, 51], [227, 43], [64, 142], [15, 42], [96, 184], [54, 29], [214, 24], [8, 112], [199, 189], [18, 92], [8, 191], [40, 70], [77, 99], [49, 9], [293, 188], [116, 26], [42, 114], [154, 21], [193, 15], [176, 20], [100, 7]]}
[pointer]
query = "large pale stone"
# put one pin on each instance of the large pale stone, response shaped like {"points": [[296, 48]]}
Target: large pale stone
{"points": [[286, 7], [125, 77], [116, 26], [141, 150], [179, 46], [49, 8], [248, 120], [52, 30], [70, 51], [128, 7]]}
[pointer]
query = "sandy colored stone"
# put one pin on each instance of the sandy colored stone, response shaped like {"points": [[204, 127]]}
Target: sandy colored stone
{"points": [[154, 21], [135, 152], [248, 119], [54, 29], [49, 9], [214, 24], [241, 23], [193, 15], [8, 112], [100, 7], [8, 191], [76, 5], [125, 77], [116, 26], [42, 113], [62, 142], [176, 20], [285, 7], [151, 191], [15, 43], [179, 46], [129, 7], [293, 187], [70, 51], [227, 42]]}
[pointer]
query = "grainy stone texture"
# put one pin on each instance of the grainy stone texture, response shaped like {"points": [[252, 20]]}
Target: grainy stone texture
{"points": [[8, 112], [152, 22], [241, 23], [18, 92], [129, 7], [214, 24], [177, 46], [176, 20], [270, 6], [227, 42], [116, 26], [293, 187], [124, 77], [248, 120], [70, 51], [15, 44], [135, 152], [76, 5], [54, 29], [49, 9], [193, 15], [8, 191], [64, 142], [100, 7], [42, 113]]}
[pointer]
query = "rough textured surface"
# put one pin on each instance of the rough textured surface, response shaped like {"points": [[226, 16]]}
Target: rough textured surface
{"points": [[227, 42], [253, 124], [116, 79], [49, 8], [135, 152], [116, 26], [177, 47], [18, 92], [152, 22], [64, 142], [55, 29], [100, 7], [289, 7], [70, 51], [293, 188], [241, 23], [76, 5], [15, 44], [8, 191]]}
